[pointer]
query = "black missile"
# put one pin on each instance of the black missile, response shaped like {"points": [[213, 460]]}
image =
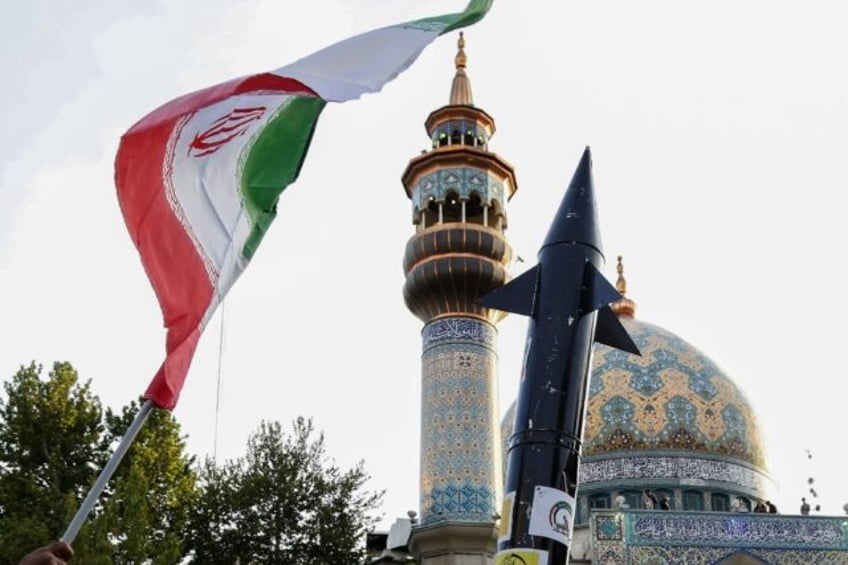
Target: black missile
{"points": [[567, 301]]}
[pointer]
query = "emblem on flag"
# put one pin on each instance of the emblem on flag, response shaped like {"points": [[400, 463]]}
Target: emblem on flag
{"points": [[223, 130]]}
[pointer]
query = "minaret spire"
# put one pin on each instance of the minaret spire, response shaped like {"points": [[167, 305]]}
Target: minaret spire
{"points": [[621, 283], [461, 87]]}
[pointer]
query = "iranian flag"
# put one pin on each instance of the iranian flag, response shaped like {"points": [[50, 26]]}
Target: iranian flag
{"points": [[198, 179]]}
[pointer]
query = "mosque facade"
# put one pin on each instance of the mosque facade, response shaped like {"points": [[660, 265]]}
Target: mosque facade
{"points": [[673, 468]]}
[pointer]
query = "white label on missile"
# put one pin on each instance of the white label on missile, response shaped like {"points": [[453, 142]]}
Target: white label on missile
{"points": [[552, 515]]}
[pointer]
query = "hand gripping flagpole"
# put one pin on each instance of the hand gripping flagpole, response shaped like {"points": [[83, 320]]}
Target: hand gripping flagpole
{"points": [[107, 472]]}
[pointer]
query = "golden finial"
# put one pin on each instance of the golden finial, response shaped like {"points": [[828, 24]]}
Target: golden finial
{"points": [[461, 88], [620, 284], [624, 307], [461, 60]]}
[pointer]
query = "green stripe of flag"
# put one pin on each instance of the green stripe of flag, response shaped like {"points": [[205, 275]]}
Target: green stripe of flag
{"points": [[274, 161], [473, 13]]}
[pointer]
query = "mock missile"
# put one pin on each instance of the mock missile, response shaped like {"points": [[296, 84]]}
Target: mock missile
{"points": [[567, 301]]}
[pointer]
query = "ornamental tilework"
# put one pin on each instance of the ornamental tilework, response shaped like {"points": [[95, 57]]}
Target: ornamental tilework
{"points": [[720, 556], [459, 330], [611, 557], [608, 527], [641, 468], [709, 530], [460, 444], [673, 397], [462, 180], [670, 538]]}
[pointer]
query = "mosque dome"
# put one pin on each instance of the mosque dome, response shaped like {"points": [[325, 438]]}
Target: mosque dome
{"points": [[673, 397], [670, 419]]}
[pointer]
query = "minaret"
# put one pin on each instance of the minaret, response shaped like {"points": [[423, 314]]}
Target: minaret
{"points": [[458, 254]]}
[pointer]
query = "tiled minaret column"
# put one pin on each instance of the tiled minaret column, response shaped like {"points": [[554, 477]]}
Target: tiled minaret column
{"points": [[458, 254]]}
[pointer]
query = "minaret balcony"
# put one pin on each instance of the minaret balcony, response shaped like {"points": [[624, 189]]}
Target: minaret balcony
{"points": [[450, 266]]}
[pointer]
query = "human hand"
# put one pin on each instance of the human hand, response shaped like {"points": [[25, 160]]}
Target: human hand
{"points": [[57, 553]]}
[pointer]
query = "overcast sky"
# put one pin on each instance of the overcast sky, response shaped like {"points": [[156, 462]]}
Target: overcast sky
{"points": [[719, 133]]}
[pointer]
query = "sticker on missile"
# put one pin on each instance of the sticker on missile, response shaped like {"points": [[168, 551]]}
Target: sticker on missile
{"points": [[552, 515], [505, 528], [522, 557]]}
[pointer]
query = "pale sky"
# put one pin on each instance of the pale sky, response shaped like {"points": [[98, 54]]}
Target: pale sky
{"points": [[719, 133]]}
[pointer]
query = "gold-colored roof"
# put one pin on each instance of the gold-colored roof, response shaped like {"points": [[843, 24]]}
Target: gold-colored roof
{"points": [[624, 308], [460, 94]]}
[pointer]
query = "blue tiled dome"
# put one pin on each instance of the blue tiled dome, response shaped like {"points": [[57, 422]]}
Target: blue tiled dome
{"points": [[673, 398]]}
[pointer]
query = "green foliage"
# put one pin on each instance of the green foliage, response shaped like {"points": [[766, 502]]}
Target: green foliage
{"points": [[54, 440], [51, 447], [285, 502], [151, 493]]}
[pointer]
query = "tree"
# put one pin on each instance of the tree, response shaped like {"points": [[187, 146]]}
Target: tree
{"points": [[51, 447], [285, 502], [54, 440], [148, 501], [216, 535]]}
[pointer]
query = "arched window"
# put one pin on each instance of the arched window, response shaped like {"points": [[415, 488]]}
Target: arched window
{"points": [[468, 139], [474, 210], [453, 207], [661, 494], [430, 213], [633, 498], [599, 501], [456, 137], [720, 502], [693, 500]]}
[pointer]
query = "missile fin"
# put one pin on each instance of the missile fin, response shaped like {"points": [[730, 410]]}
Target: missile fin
{"points": [[597, 291], [609, 331], [517, 296]]}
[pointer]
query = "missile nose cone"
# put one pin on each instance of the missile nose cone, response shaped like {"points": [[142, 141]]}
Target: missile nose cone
{"points": [[577, 217]]}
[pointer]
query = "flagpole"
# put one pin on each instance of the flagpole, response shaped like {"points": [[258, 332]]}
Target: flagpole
{"points": [[107, 472]]}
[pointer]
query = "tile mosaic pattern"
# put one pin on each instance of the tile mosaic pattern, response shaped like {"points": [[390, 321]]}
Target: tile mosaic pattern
{"points": [[608, 527], [748, 530], [671, 414], [642, 468], [673, 397], [718, 556], [611, 557], [460, 444], [461, 180], [459, 330], [667, 538]]}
